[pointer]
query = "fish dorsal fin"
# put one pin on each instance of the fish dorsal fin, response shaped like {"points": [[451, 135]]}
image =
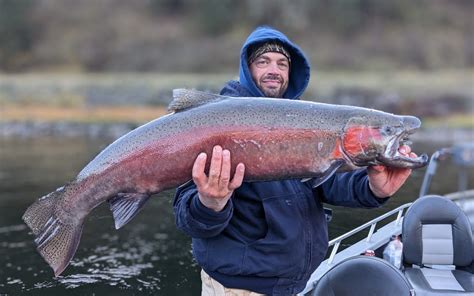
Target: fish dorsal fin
{"points": [[184, 99]]}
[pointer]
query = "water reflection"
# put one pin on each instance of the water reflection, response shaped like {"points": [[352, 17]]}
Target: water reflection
{"points": [[136, 259], [148, 256]]}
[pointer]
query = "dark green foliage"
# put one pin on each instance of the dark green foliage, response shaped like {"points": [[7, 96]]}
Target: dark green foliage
{"points": [[205, 35], [16, 33]]}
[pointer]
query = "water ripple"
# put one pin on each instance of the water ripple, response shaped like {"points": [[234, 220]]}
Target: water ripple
{"points": [[12, 228], [113, 266]]}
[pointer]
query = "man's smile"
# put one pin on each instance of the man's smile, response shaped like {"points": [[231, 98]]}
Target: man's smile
{"points": [[272, 83]]}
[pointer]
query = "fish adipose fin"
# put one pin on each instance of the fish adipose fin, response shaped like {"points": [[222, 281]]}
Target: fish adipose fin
{"points": [[56, 241], [184, 99], [315, 182], [125, 206]]}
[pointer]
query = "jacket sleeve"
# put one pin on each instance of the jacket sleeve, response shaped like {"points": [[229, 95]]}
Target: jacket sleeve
{"points": [[350, 189], [194, 218]]}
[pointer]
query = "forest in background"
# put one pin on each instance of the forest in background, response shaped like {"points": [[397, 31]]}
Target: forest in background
{"points": [[67, 65], [206, 36]]}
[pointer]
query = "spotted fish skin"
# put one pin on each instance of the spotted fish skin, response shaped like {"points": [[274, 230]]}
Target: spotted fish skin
{"points": [[274, 138]]}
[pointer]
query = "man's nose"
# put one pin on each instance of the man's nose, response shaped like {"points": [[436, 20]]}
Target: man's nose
{"points": [[273, 68]]}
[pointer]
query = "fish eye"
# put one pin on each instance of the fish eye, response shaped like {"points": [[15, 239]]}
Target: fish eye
{"points": [[388, 130]]}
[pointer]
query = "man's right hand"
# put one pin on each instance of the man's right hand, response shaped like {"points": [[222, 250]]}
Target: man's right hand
{"points": [[216, 189]]}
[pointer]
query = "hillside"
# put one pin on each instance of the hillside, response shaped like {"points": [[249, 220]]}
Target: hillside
{"points": [[206, 36]]}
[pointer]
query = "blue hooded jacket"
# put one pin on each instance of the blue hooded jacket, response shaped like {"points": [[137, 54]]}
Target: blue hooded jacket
{"points": [[299, 70], [270, 236]]}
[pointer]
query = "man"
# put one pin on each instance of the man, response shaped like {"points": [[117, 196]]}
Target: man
{"points": [[267, 237]]}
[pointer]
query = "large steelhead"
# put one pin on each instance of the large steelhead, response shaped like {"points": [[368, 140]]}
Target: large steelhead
{"points": [[274, 138]]}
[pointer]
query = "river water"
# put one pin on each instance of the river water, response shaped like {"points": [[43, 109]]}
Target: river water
{"points": [[147, 256]]}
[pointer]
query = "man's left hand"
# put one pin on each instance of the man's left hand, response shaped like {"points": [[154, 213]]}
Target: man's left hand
{"points": [[385, 181]]}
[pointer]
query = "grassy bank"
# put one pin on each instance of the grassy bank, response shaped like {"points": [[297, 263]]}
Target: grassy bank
{"points": [[152, 89], [440, 98]]}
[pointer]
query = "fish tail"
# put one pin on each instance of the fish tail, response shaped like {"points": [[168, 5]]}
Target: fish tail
{"points": [[56, 240]]}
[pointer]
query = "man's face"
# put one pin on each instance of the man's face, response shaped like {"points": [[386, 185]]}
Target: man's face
{"points": [[270, 71]]}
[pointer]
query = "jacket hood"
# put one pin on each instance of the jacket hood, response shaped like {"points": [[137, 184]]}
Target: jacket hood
{"points": [[299, 69]]}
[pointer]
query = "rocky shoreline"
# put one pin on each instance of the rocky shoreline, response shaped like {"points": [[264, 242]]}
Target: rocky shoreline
{"points": [[36, 129]]}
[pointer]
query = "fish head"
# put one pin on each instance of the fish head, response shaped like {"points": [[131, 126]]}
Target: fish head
{"points": [[375, 139]]}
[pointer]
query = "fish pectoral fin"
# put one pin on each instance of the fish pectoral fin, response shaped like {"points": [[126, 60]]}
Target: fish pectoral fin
{"points": [[125, 206], [315, 182]]}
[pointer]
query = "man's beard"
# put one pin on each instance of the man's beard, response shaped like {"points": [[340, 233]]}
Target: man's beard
{"points": [[274, 92]]}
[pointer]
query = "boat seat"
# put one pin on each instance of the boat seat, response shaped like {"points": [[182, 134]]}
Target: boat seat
{"points": [[363, 275], [437, 247]]}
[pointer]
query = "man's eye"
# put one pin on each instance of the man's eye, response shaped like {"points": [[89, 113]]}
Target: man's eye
{"points": [[283, 66]]}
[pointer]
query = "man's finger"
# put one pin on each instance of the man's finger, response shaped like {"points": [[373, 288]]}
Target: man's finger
{"points": [[225, 172], [377, 168], [199, 177], [238, 177], [216, 166]]}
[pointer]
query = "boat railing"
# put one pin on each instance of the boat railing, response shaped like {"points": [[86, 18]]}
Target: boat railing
{"points": [[375, 239], [462, 156], [372, 224], [461, 195]]}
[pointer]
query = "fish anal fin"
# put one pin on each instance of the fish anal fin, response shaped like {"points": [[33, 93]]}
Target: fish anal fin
{"points": [[184, 99], [125, 206], [315, 182]]}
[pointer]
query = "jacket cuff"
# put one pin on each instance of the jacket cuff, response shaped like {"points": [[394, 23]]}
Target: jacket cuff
{"points": [[207, 216], [380, 200]]}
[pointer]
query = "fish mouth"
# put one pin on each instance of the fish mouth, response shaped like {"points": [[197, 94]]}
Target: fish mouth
{"points": [[392, 157]]}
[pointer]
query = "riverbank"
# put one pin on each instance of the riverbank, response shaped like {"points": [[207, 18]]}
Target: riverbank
{"points": [[417, 92], [110, 105]]}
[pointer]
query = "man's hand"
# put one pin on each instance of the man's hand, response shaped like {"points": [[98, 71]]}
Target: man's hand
{"points": [[385, 181], [217, 188]]}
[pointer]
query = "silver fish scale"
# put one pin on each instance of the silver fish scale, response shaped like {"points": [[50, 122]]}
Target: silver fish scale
{"points": [[262, 112]]}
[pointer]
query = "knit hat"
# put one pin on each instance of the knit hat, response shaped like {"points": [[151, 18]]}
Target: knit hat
{"points": [[256, 50]]}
